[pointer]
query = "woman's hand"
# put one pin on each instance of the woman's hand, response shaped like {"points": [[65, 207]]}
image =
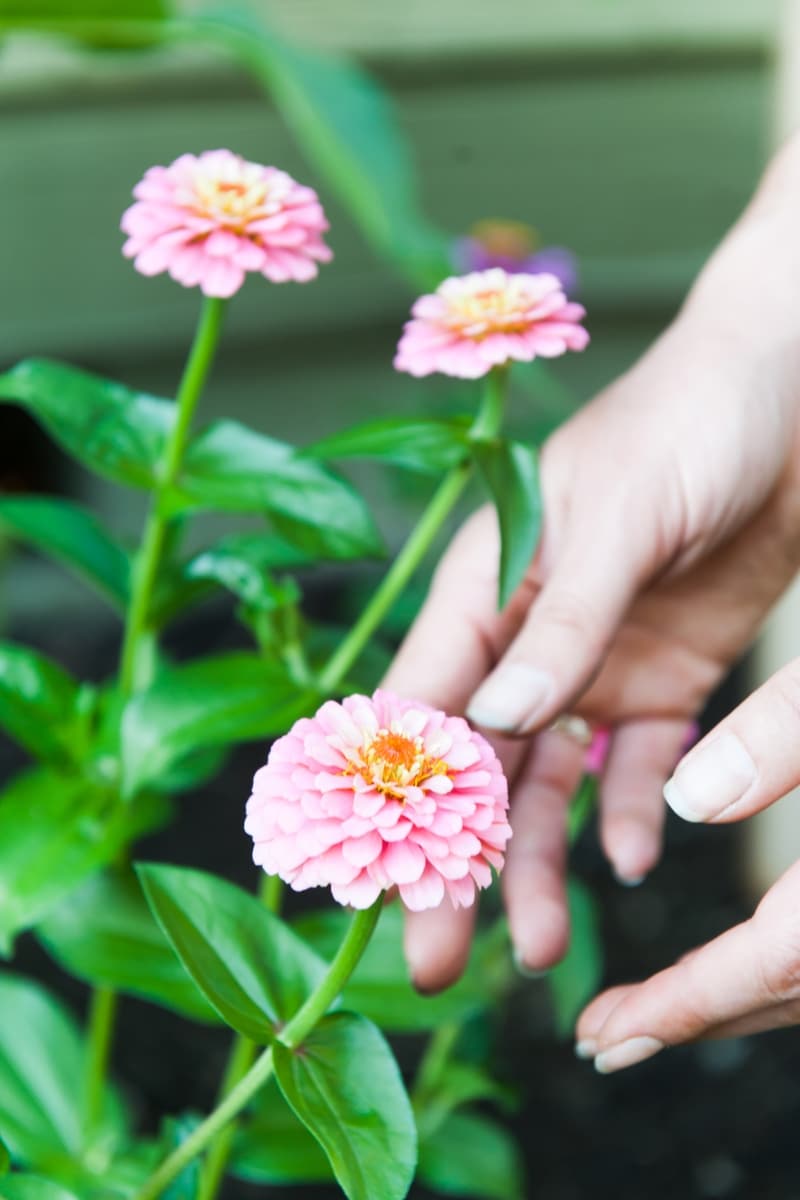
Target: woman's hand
{"points": [[672, 524]]}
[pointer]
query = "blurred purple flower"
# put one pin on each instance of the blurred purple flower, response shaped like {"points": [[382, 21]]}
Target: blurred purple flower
{"points": [[515, 247]]}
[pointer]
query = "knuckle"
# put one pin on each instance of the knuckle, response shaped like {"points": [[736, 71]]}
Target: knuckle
{"points": [[778, 957], [786, 692], [569, 612]]}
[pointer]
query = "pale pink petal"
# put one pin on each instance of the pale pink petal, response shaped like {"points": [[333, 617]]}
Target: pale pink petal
{"points": [[234, 216]]}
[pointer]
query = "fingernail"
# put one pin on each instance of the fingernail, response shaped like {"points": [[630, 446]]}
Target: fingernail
{"points": [[629, 881], [510, 698], [586, 1048], [711, 779], [528, 972], [627, 1054]]}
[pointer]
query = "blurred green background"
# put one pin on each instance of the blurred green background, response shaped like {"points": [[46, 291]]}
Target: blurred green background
{"points": [[630, 132]]}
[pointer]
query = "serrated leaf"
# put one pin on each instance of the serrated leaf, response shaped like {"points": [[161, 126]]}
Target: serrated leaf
{"points": [[576, 978], [347, 129], [380, 988], [113, 430], [55, 830], [210, 702], [345, 1086], [420, 443], [42, 1060], [252, 967], [231, 468], [274, 1146], [39, 704], [511, 472], [72, 536], [104, 933], [469, 1155]]}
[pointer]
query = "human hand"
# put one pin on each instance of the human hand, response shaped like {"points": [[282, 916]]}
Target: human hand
{"points": [[672, 524], [748, 979]]}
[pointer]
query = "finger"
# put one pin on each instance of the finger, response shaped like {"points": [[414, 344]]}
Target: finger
{"points": [[459, 633], [727, 980], [641, 756], [566, 634], [749, 760], [437, 942], [594, 1017], [534, 881]]}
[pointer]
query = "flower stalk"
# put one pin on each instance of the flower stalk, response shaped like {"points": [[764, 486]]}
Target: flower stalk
{"points": [[487, 424], [148, 560], [291, 1036]]}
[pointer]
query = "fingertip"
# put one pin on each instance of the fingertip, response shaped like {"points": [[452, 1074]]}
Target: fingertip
{"points": [[539, 934], [632, 848], [437, 946]]}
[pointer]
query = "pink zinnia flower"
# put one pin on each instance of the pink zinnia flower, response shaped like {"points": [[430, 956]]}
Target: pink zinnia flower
{"points": [[475, 322], [209, 219], [377, 792]]}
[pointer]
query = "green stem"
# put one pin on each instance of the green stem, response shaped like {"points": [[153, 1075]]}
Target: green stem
{"points": [[353, 946], [271, 892], [102, 1010], [243, 1052], [436, 1056], [486, 425], [148, 559], [239, 1063]]}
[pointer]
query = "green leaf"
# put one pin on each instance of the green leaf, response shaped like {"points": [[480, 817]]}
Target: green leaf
{"points": [[243, 565], [469, 1155], [33, 1187], [175, 1131], [104, 933], [458, 1083], [5, 1158], [42, 1064], [511, 472], [55, 830], [210, 702], [380, 988], [347, 129], [234, 469], [275, 1147], [345, 1086], [73, 537], [421, 443], [117, 432], [577, 977], [251, 966], [39, 705], [35, 12]]}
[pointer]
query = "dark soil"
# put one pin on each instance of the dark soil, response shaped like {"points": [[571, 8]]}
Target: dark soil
{"points": [[712, 1120]]}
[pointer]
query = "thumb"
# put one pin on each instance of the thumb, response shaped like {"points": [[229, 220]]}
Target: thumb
{"points": [[568, 630], [749, 760]]}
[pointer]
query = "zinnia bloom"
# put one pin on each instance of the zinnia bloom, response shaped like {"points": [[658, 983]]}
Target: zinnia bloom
{"points": [[209, 219], [516, 247], [377, 792], [475, 322]]}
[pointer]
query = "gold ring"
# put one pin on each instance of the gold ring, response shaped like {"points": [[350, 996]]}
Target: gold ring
{"points": [[573, 727]]}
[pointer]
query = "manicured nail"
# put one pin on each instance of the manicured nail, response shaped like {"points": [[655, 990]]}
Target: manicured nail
{"points": [[510, 698], [586, 1049], [528, 972], [627, 1054], [711, 779]]}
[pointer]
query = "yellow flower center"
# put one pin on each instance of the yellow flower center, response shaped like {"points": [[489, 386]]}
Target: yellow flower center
{"points": [[394, 761], [230, 202], [495, 310]]}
